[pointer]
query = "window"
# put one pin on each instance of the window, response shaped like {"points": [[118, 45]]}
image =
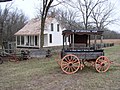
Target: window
{"points": [[58, 27], [36, 39], [18, 40], [50, 36], [22, 40], [32, 40], [27, 43], [51, 26]]}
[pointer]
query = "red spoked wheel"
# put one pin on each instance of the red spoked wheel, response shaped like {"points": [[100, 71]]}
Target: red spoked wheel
{"points": [[70, 64], [102, 64]]}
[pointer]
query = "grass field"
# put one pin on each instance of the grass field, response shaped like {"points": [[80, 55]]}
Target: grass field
{"points": [[45, 74], [115, 41]]}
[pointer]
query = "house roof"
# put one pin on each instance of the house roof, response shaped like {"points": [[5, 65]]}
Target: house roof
{"points": [[33, 27]]}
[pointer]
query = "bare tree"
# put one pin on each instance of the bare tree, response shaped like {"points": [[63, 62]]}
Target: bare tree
{"points": [[102, 15], [3, 17], [46, 5], [68, 18], [45, 8], [16, 21], [85, 8], [10, 22]]}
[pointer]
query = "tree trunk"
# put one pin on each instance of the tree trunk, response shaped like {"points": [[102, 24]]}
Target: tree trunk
{"points": [[1, 35], [42, 33]]}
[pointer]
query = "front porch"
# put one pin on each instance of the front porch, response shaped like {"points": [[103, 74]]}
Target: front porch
{"points": [[30, 41]]}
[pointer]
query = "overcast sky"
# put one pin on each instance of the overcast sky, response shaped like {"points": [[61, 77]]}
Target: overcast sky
{"points": [[28, 7]]}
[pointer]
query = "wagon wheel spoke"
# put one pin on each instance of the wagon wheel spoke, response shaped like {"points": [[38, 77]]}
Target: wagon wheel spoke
{"points": [[64, 64], [100, 68], [66, 59], [75, 64], [74, 68], [64, 67], [71, 69], [74, 60], [70, 64], [102, 64]]}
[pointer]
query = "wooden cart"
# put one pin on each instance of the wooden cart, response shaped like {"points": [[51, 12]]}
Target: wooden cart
{"points": [[80, 49], [15, 56]]}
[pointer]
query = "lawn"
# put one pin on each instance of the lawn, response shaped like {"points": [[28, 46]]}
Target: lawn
{"points": [[45, 74]]}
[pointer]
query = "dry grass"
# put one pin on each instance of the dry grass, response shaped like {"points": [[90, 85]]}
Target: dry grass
{"points": [[115, 41], [45, 74]]}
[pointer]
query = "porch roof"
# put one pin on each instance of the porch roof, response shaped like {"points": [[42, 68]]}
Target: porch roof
{"points": [[82, 32]]}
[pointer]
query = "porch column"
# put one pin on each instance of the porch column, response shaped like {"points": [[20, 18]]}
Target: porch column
{"points": [[29, 40], [89, 40], [69, 40], [25, 39], [73, 42], [34, 39], [16, 41], [101, 43], [63, 41], [20, 40], [95, 42], [39, 40]]}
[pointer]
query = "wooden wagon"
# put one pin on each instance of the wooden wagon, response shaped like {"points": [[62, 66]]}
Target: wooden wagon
{"points": [[78, 51], [14, 57]]}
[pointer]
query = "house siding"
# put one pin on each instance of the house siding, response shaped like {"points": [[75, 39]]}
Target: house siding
{"points": [[56, 35]]}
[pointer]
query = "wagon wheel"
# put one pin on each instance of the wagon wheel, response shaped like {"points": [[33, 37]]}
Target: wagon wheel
{"points": [[13, 58], [58, 59], [1, 60], [102, 64], [70, 64]]}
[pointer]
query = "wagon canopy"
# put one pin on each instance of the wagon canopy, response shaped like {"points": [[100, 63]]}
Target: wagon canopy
{"points": [[81, 38], [82, 32]]}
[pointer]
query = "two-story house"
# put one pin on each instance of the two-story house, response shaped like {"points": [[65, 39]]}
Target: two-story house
{"points": [[29, 35]]}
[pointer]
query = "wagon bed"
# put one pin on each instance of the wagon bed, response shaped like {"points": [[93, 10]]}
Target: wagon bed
{"points": [[84, 54]]}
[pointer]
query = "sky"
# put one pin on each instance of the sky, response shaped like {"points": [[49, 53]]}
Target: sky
{"points": [[29, 8]]}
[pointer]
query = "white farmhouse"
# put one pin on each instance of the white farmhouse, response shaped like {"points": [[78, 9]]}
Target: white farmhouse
{"points": [[29, 35]]}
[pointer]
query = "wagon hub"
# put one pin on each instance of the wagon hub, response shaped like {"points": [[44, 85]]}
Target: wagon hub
{"points": [[102, 64], [70, 63]]}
